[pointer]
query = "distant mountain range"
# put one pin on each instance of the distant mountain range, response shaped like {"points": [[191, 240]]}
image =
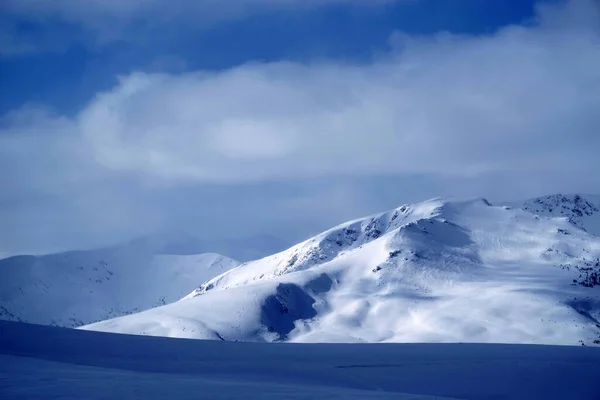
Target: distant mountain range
{"points": [[80, 287]]}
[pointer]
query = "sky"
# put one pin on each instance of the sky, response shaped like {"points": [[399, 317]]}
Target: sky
{"points": [[280, 118]]}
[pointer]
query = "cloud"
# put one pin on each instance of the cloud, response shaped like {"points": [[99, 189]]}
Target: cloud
{"points": [[514, 110], [523, 98]]}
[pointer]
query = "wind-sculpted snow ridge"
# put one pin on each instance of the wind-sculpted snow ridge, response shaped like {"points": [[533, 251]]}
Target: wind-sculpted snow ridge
{"points": [[80, 287], [437, 271]]}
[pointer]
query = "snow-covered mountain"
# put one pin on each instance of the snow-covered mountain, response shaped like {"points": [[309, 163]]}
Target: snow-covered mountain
{"points": [[437, 271], [583, 210], [80, 287]]}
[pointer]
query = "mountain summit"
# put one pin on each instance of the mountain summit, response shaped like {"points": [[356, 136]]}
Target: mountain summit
{"points": [[582, 211]]}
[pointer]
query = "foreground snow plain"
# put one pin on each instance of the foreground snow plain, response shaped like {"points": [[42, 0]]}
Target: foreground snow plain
{"points": [[42, 362]]}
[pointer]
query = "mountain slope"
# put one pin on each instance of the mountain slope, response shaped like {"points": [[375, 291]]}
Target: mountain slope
{"points": [[437, 271], [80, 287]]}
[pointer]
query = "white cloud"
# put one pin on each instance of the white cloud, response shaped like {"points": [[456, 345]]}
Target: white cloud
{"points": [[523, 98], [518, 108]]}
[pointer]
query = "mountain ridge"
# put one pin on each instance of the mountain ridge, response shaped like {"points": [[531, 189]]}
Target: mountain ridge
{"points": [[582, 210]]}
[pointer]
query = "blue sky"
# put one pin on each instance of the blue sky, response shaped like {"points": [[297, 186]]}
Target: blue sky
{"points": [[68, 77], [240, 118]]}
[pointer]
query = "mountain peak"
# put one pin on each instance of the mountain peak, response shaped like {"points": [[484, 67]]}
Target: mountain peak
{"points": [[582, 210], [403, 221]]}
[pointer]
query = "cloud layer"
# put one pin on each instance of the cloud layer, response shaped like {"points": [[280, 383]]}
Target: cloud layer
{"points": [[517, 105], [523, 98]]}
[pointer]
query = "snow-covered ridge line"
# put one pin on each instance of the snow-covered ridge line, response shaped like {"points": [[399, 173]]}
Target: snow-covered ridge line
{"points": [[327, 245], [341, 239]]}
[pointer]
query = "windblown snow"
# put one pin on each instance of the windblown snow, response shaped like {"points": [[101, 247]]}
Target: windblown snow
{"points": [[437, 271], [80, 287]]}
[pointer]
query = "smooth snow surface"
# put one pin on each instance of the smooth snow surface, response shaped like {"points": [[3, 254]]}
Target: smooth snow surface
{"points": [[80, 287], [40, 362], [437, 271]]}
